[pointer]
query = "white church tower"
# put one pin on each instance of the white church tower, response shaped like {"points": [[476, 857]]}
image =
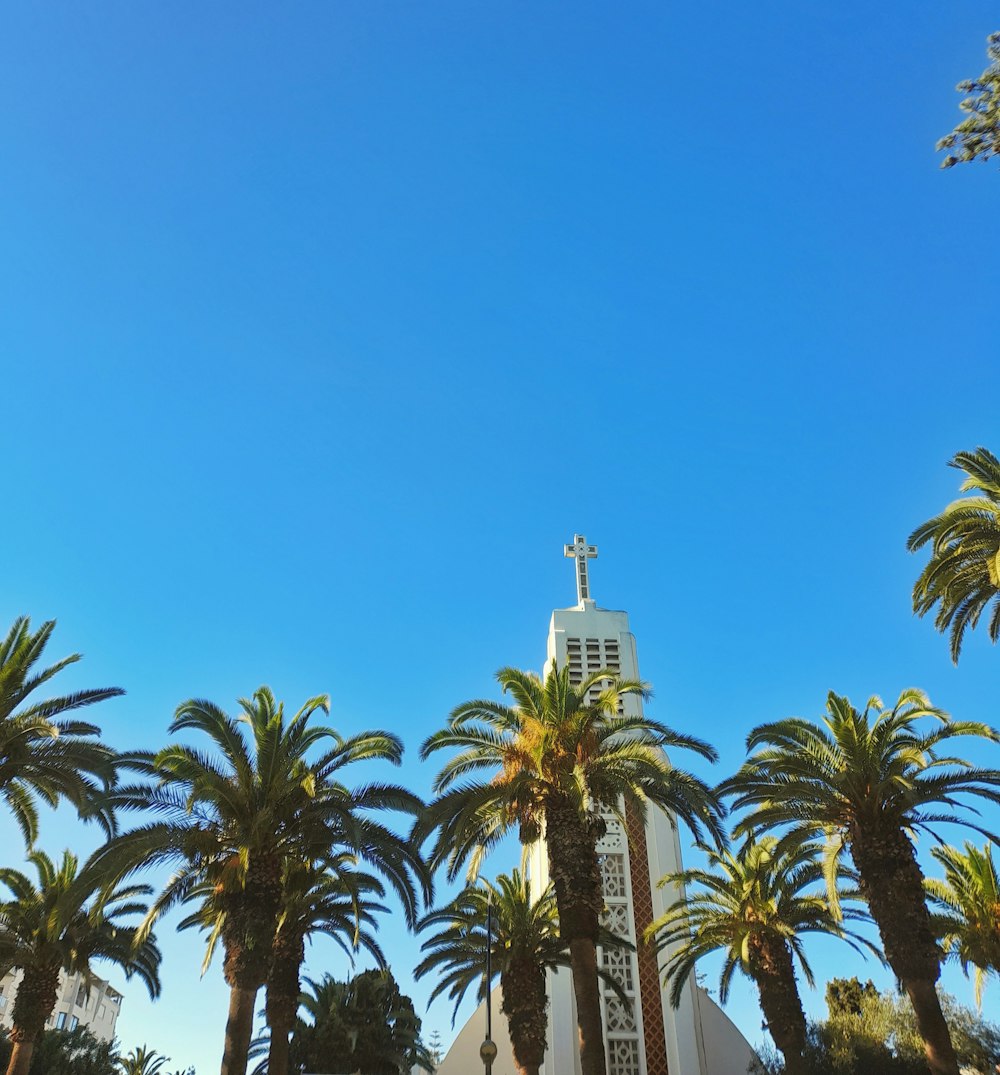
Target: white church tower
{"points": [[652, 1038]]}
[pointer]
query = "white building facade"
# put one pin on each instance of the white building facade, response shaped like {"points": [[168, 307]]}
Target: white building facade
{"points": [[95, 1008], [650, 1037]]}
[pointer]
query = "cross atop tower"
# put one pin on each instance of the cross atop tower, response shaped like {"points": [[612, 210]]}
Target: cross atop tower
{"points": [[581, 552]]}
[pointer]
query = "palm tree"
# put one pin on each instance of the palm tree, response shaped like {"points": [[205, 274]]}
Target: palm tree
{"points": [[141, 1061], [549, 766], [756, 905], [235, 818], [867, 782], [330, 899], [525, 944], [962, 576], [42, 757], [72, 917], [966, 909]]}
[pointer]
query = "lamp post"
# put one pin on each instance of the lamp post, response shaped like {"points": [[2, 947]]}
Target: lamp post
{"points": [[488, 1050]]}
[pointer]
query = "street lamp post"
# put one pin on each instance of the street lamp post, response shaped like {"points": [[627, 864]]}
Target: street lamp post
{"points": [[488, 1050]]}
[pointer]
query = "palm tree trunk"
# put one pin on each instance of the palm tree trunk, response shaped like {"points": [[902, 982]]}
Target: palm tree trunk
{"points": [[277, 1053], [774, 974], [583, 963], [283, 997], [239, 1029], [248, 935], [933, 1029], [33, 1004], [524, 1004], [893, 886], [20, 1057], [576, 877]]}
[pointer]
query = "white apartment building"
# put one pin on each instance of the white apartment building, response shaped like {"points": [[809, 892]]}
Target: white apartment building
{"points": [[95, 1008]]}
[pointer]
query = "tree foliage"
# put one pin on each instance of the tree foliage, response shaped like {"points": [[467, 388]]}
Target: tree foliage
{"points": [[68, 1052], [232, 818], [962, 576], [556, 762], [871, 1033], [524, 943], [866, 781], [966, 910], [364, 1025], [977, 137], [756, 905], [141, 1061], [42, 757]]}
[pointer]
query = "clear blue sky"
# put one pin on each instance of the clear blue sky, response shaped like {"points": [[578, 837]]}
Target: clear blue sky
{"points": [[322, 326]]}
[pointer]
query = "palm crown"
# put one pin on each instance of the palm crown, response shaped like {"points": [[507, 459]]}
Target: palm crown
{"points": [[962, 576], [857, 773], [552, 765], [523, 931], [759, 896], [557, 742], [41, 756], [868, 781], [235, 818], [523, 940], [71, 917], [142, 1061], [966, 909], [263, 802]]}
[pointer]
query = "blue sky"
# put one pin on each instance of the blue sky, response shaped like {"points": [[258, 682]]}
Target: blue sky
{"points": [[324, 326]]}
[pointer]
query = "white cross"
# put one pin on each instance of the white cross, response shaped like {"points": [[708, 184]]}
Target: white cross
{"points": [[581, 552]]}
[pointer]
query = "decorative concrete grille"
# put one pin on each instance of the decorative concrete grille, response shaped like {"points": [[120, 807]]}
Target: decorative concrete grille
{"points": [[623, 1057], [620, 1019], [613, 871]]}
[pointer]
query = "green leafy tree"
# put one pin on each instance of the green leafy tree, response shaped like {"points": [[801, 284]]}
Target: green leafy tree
{"points": [[525, 944], [41, 756], [365, 1026], [549, 766], [876, 1034], [142, 1061], [72, 917], [962, 576], [755, 905], [866, 782], [67, 1052], [977, 137], [232, 820], [847, 996], [966, 910]]}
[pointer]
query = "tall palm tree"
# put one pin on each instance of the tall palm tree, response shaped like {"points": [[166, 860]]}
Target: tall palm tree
{"points": [[141, 1061], [234, 818], [42, 757], [525, 944], [549, 766], [962, 576], [756, 905], [330, 898], [72, 917], [966, 909], [867, 782]]}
